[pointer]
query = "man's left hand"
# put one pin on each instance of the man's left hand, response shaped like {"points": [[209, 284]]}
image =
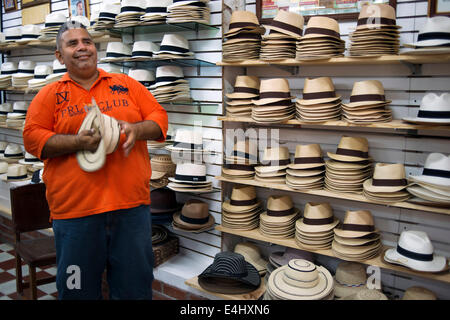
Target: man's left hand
{"points": [[130, 132]]}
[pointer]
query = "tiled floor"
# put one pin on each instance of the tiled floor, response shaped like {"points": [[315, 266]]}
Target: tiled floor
{"points": [[8, 277]]}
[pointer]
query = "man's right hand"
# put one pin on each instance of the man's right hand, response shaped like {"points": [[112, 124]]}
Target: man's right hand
{"points": [[88, 140]]}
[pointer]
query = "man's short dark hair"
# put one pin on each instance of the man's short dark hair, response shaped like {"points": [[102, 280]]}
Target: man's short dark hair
{"points": [[71, 24]]}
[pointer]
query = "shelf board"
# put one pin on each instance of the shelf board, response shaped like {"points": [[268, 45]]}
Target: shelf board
{"points": [[165, 27], [395, 126], [386, 59], [336, 195], [254, 295], [378, 261]]}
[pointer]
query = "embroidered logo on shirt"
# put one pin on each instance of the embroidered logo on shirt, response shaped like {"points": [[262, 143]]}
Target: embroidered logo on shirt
{"points": [[119, 89], [62, 97]]}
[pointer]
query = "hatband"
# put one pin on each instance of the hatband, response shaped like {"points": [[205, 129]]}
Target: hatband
{"points": [[156, 9], [243, 202], [376, 20], [308, 160], [319, 95], [353, 153], [436, 173], [235, 25], [433, 114], [246, 90], [324, 31], [357, 227], [194, 220], [280, 213], [287, 27], [189, 178], [433, 36], [240, 167], [389, 182], [414, 255], [268, 95], [367, 97], [318, 222]]}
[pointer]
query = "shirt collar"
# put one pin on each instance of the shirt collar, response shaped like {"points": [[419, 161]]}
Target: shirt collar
{"points": [[102, 74]]}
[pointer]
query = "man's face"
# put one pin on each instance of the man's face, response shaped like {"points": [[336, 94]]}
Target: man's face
{"points": [[77, 51], [79, 8]]}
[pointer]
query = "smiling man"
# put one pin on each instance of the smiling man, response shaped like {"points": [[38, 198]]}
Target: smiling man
{"points": [[100, 219]]}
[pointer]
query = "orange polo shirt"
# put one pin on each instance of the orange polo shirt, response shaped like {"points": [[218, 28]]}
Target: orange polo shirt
{"points": [[123, 182]]}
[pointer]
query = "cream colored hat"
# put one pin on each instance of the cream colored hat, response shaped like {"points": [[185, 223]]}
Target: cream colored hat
{"points": [[243, 199], [350, 278], [279, 208], [374, 16], [273, 90], [318, 90], [274, 159], [245, 87], [252, 254], [317, 217], [419, 293], [387, 178], [367, 92], [351, 149], [356, 224], [307, 157], [243, 20], [288, 23], [321, 27], [16, 172]]}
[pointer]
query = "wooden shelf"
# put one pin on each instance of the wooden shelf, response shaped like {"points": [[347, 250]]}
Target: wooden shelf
{"points": [[377, 261], [387, 59], [254, 295], [395, 126], [336, 195]]}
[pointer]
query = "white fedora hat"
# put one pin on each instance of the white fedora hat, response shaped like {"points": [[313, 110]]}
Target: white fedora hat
{"points": [[108, 11], [55, 19], [177, 3], [16, 172], [19, 110], [436, 171], [12, 151], [109, 68], [29, 159], [144, 76], [167, 75], [81, 20], [128, 7], [7, 69], [415, 251], [13, 34], [30, 32], [174, 44], [25, 69], [190, 173], [58, 68], [435, 32], [433, 109], [157, 7], [117, 51], [5, 108], [144, 49], [189, 140], [40, 74]]}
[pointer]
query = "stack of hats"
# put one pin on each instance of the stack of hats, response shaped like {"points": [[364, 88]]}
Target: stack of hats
{"points": [[144, 76], [307, 172], [16, 118], [300, 280], [357, 239], [419, 293], [162, 168], [53, 21], [433, 37], [58, 71], [130, 13], [315, 229], [278, 221], [163, 205], [242, 211], [6, 72], [31, 162], [117, 51], [350, 166], [240, 103], [376, 32], [155, 12], [350, 277], [29, 32], [415, 251], [107, 16], [5, 108], [434, 110], [16, 172], [367, 103], [91, 29], [240, 163], [187, 141], [189, 11], [252, 254], [275, 102], [12, 153], [159, 234], [193, 217], [170, 85], [319, 102], [280, 258], [388, 184], [143, 50], [275, 161], [24, 73], [230, 273], [40, 74], [173, 46], [432, 187], [190, 177], [243, 37], [321, 40], [285, 29]]}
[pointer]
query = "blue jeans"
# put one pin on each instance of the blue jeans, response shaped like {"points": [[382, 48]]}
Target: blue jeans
{"points": [[120, 241]]}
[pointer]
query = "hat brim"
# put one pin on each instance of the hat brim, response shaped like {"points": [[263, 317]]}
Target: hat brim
{"points": [[315, 228], [368, 185], [353, 234], [339, 157], [342, 291], [439, 263], [434, 181], [427, 120], [181, 225], [428, 195]]}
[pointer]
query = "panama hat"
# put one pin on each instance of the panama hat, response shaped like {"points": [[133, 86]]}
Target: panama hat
{"points": [[434, 109], [317, 91], [415, 251], [289, 23], [274, 159], [16, 172], [143, 50], [29, 32], [243, 20], [194, 216], [252, 254], [80, 19], [387, 178], [367, 92], [350, 278], [168, 75], [366, 294], [425, 194], [54, 20], [177, 3], [174, 44], [12, 152], [187, 140], [230, 274], [131, 7], [273, 90], [419, 293], [41, 72], [356, 224], [19, 110], [436, 171], [317, 217], [242, 199], [279, 209], [190, 173], [29, 159], [378, 15], [244, 152], [144, 76], [25, 69], [245, 87], [13, 34], [156, 8], [7, 69], [434, 33], [116, 51], [352, 149], [319, 27]]}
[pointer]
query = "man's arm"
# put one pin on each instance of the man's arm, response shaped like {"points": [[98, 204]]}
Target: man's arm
{"points": [[62, 144], [143, 130]]}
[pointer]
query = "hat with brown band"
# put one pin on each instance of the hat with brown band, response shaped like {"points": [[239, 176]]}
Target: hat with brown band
{"points": [[243, 199], [243, 21], [387, 178], [288, 23], [317, 217], [274, 159], [244, 152], [245, 87], [356, 224], [317, 91], [366, 93], [351, 149], [307, 157], [319, 27], [194, 216], [279, 209], [273, 90], [374, 16]]}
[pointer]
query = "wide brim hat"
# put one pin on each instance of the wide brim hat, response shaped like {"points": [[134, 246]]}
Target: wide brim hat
{"points": [[245, 87], [435, 32], [428, 195], [356, 224], [185, 226], [244, 20], [439, 263]]}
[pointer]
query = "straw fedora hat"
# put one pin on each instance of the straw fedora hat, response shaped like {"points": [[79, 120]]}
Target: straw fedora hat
{"points": [[307, 156], [356, 224], [317, 217], [194, 216], [288, 23], [244, 152], [244, 20], [317, 91], [187, 140], [3, 167], [433, 109], [435, 32], [436, 171], [243, 199], [245, 87], [421, 192], [387, 178], [419, 293], [367, 92], [415, 251], [374, 16], [351, 149], [252, 254], [274, 159], [273, 90], [12, 153], [174, 44], [367, 294], [191, 173], [16, 172], [321, 27], [279, 209], [350, 278]]}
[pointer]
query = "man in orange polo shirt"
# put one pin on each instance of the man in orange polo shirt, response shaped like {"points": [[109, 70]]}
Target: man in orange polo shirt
{"points": [[100, 219]]}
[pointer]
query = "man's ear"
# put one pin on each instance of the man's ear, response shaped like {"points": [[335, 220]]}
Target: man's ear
{"points": [[59, 56]]}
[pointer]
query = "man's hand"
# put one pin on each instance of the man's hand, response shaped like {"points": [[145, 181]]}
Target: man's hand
{"points": [[130, 131], [88, 140]]}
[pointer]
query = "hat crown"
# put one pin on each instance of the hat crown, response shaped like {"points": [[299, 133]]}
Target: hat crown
{"points": [[243, 16], [7, 106], [29, 156], [367, 87], [119, 47], [27, 65], [31, 29], [145, 46], [243, 193], [20, 105], [191, 169], [318, 210], [196, 209], [274, 85], [321, 84], [176, 40], [13, 148], [249, 250], [15, 170], [354, 143], [110, 68], [169, 71], [351, 273], [109, 7], [43, 69], [416, 241], [58, 65], [247, 82], [434, 102], [280, 153], [379, 10], [290, 18], [436, 24], [360, 217], [308, 151], [189, 136], [55, 17], [389, 171], [14, 31], [141, 74], [158, 3], [323, 22], [8, 66], [229, 263], [280, 203], [133, 3], [437, 161], [162, 198], [302, 272]]}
